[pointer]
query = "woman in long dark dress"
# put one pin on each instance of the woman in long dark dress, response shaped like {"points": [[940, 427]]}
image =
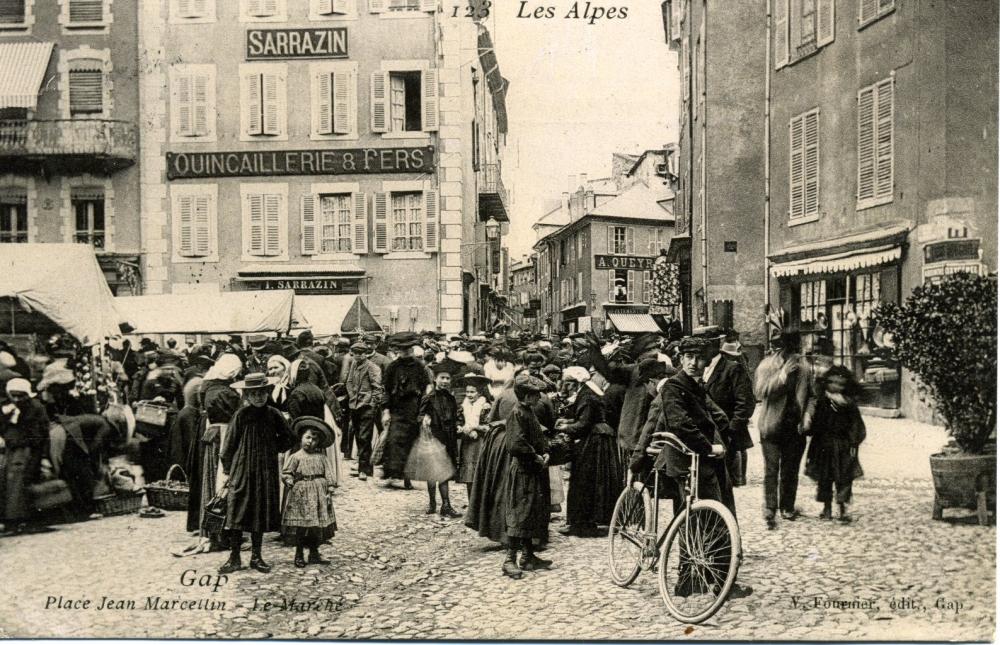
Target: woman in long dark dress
{"points": [[257, 434], [527, 491], [596, 477]]}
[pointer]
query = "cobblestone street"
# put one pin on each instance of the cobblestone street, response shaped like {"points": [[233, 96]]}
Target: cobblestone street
{"points": [[398, 573]]}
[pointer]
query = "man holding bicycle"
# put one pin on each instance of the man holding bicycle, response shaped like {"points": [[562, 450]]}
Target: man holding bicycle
{"points": [[687, 411]]}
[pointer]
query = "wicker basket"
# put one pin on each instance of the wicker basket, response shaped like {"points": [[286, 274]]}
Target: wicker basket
{"points": [[169, 499], [120, 504]]}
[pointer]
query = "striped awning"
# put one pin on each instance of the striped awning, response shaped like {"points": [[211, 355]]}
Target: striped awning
{"points": [[633, 323], [22, 69], [839, 262]]}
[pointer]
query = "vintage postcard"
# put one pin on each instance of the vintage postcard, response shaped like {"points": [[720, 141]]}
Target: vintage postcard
{"points": [[498, 319]]}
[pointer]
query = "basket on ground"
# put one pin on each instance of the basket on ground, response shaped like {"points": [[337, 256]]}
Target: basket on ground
{"points": [[169, 494], [123, 503]]}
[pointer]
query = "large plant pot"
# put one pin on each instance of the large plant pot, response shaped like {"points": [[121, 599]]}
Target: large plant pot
{"points": [[964, 481]]}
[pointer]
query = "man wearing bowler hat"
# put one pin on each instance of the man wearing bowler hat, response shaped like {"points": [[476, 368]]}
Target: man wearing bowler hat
{"points": [[257, 434]]}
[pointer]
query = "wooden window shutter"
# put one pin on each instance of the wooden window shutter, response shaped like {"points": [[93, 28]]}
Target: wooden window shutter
{"points": [[611, 239], [630, 287], [686, 65], [428, 5], [380, 101], [780, 33], [186, 242], [826, 20], [884, 151], [252, 104], [794, 27], [381, 204], [431, 232], [272, 214], [360, 244], [429, 91], [86, 91], [183, 95], [202, 225], [324, 6], [611, 285], [342, 102], [795, 201], [810, 179], [339, 7], [867, 10], [630, 240], [86, 11], [199, 104], [307, 209], [273, 87], [676, 12], [866, 143], [377, 6], [254, 207], [323, 104]]}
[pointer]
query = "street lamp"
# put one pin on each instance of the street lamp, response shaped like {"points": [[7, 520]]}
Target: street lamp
{"points": [[492, 229]]}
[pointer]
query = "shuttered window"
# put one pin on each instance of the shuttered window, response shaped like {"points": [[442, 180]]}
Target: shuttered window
{"points": [[871, 10], [332, 7], [263, 8], [12, 12], [193, 101], [88, 211], [196, 213], [407, 221], [264, 100], [86, 12], [336, 223], [780, 33], [265, 220], [800, 27], [86, 90], [334, 100], [875, 144], [193, 9], [13, 216], [803, 136], [404, 101]]}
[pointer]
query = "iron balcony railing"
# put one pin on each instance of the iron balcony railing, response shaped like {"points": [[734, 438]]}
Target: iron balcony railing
{"points": [[491, 185], [101, 137]]}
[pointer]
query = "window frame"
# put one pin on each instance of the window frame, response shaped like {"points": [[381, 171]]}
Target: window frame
{"points": [[176, 18], [806, 215], [93, 26], [68, 59], [350, 68], [211, 191], [353, 191], [264, 189], [176, 73], [429, 75], [430, 246], [789, 47], [280, 14], [425, 8], [316, 14], [20, 28], [15, 230], [876, 199], [880, 12], [91, 231], [280, 72]]}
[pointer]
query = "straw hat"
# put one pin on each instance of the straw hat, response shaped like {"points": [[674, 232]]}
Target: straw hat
{"points": [[255, 381]]}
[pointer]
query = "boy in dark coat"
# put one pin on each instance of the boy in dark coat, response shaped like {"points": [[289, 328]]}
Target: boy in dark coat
{"points": [[527, 498], [439, 410], [403, 384]]}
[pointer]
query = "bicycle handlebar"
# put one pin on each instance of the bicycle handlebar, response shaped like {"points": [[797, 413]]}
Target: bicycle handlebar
{"points": [[661, 439]]}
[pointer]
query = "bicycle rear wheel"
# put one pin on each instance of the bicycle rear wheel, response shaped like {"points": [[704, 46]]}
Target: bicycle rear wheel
{"points": [[627, 535], [699, 561]]}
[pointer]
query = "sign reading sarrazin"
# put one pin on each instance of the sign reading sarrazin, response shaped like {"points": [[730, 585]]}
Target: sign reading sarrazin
{"points": [[339, 161], [271, 44]]}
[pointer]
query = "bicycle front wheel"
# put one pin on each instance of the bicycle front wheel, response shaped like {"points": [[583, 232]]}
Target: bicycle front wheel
{"points": [[627, 535], [699, 561]]}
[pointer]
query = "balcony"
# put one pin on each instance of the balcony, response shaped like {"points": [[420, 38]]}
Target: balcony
{"points": [[63, 146], [492, 194]]}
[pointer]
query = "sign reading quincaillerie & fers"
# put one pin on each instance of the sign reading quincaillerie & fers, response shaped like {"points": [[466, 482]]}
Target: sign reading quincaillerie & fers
{"points": [[338, 161]]}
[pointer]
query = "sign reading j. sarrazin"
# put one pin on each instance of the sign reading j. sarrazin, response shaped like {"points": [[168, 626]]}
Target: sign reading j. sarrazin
{"points": [[338, 161]]}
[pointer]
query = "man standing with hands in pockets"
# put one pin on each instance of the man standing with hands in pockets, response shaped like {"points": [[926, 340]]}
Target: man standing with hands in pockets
{"points": [[364, 398]]}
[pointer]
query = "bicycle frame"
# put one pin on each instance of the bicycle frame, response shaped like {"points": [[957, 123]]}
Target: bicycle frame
{"points": [[690, 496]]}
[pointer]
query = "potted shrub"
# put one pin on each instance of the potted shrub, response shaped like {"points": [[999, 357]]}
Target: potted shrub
{"points": [[946, 334]]}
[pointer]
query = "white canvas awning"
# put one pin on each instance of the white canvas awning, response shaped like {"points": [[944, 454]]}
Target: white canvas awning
{"points": [[633, 323], [65, 283], [230, 312], [21, 73], [335, 315], [839, 262]]}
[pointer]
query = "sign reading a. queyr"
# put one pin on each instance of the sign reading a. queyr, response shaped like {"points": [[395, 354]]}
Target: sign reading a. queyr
{"points": [[623, 262], [275, 44], [336, 161]]}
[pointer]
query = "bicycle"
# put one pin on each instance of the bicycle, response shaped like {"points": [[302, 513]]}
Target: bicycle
{"points": [[696, 559]]}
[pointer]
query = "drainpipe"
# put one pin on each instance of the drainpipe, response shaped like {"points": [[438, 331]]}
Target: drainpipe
{"points": [[767, 165], [704, 154]]}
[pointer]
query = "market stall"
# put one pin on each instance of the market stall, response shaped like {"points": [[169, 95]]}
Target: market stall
{"points": [[230, 312], [336, 315]]}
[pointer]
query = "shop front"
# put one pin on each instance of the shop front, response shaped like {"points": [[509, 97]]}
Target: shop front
{"points": [[828, 300]]}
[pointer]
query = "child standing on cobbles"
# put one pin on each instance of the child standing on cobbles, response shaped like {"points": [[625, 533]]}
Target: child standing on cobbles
{"points": [[310, 479]]}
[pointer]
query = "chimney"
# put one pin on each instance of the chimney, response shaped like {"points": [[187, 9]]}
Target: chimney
{"points": [[572, 184]]}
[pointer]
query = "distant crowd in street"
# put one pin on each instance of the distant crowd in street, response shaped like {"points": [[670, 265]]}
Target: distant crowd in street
{"points": [[264, 429]]}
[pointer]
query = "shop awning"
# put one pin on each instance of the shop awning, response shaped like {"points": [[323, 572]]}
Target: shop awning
{"points": [[633, 323], [230, 312], [334, 315], [839, 262], [22, 72]]}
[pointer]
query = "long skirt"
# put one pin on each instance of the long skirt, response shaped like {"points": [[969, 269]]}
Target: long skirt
{"points": [[21, 469], [468, 458], [308, 511], [398, 442], [556, 494], [486, 513], [595, 481], [527, 502]]}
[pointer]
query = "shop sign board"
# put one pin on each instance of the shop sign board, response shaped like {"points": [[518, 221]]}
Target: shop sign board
{"points": [[277, 44], [636, 262], [271, 163], [306, 286]]}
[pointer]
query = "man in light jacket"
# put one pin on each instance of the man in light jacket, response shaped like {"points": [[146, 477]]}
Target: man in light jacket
{"points": [[364, 398]]}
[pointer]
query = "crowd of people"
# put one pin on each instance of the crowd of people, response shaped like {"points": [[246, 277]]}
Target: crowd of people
{"points": [[264, 429]]}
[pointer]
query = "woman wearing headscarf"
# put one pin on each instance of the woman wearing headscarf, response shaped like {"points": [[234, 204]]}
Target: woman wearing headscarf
{"points": [[184, 431], [596, 477], [278, 367], [220, 403], [24, 428]]}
